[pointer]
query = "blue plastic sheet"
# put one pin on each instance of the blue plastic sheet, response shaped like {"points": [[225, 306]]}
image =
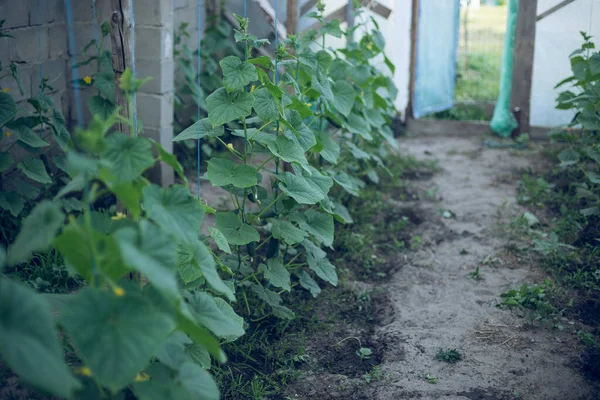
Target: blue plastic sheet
{"points": [[437, 43]]}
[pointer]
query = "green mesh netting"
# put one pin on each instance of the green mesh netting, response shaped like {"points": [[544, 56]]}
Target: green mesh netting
{"points": [[503, 122]]}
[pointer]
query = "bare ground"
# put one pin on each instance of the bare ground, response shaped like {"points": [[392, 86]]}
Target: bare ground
{"points": [[429, 302]]}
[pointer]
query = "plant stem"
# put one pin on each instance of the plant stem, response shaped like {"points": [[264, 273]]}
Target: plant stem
{"points": [[270, 205]]}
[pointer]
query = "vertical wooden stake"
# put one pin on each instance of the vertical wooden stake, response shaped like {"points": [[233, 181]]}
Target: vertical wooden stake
{"points": [[291, 22], [121, 54], [414, 24]]}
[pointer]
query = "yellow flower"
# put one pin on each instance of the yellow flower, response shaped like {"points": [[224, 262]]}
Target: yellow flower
{"points": [[142, 377], [119, 216], [118, 291], [7, 134], [88, 80], [362, 93], [85, 371], [370, 46], [229, 146], [252, 88], [308, 104], [6, 90]]}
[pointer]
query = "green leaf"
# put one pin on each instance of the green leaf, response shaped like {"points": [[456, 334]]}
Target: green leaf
{"points": [[568, 157], [237, 73], [105, 82], [276, 274], [332, 28], [198, 382], [343, 97], [206, 130], [5, 161], [288, 151], [172, 353], [287, 232], [317, 224], [215, 314], [299, 188], [37, 232], [29, 341], [236, 232], [101, 107], [170, 159], [322, 84], [207, 265], [330, 149], [198, 333], [29, 137], [25, 189], [199, 355], [12, 201], [129, 156], [265, 105], [225, 107], [175, 210], [219, 239], [324, 60], [115, 336], [8, 108], [301, 133], [350, 184], [34, 169], [308, 283], [223, 172], [318, 262], [263, 61], [358, 125], [153, 255]]}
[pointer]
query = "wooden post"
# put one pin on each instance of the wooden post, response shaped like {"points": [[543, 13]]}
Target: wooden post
{"points": [[291, 22], [413, 57], [523, 61], [121, 54], [213, 12]]}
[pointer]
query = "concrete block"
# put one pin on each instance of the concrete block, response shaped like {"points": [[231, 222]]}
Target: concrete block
{"points": [[154, 43], [15, 13], [82, 11], [57, 37], [45, 11], [25, 72], [162, 73], [55, 70], [84, 34], [5, 49], [178, 4], [153, 12], [155, 111], [29, 44]]}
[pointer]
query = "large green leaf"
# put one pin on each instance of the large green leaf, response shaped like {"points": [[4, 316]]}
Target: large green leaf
{"points": [[237, 73], [215, 314], [318, 262], [300, 188], [115, 336], [29, 341], [206, 130], [37, 232], [198, 382], [153, 255], [175, 210], [207, 265], [225, 107], [5, 161], [322, 84], [358, 125], [34, 169], [308, 283], [8, 108], [170, 159], [172, 353], [330, 150], [288, 151], [219, 239], [236, 232], [343, 97], [317, 224], [287, 232], [276, 274], [223, 172], [350, 184], [265, 105], [29, 137], [128, 156], [13, 202], [300, 133]]}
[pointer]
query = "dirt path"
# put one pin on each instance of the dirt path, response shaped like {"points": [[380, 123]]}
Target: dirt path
{"points": [[436, 305]]}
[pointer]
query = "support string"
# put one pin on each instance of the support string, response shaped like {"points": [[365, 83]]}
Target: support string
{"points": [[74, 71], [132, 46], [39, 21], [199, 62]]}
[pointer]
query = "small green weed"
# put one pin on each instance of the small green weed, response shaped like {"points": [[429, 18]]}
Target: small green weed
{"points": [[451, 356], [431, 379], [364, 353], [416, 242], [476, 274], [530, 297], [375, 374]]}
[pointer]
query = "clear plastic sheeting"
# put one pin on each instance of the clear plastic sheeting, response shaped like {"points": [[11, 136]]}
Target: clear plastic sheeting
{"points": [[435, 69], [503, 122]]}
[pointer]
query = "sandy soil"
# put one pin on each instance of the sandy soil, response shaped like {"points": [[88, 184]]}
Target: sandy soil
{"points": [[431, 303]]}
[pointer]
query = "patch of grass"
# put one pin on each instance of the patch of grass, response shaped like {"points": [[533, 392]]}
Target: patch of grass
{"points": [[451, 356], [375, 374], [533, 298]]}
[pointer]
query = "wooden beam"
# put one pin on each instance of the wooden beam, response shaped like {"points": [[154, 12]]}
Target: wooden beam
{"points": [[554, 9], [121, 54], [291, 22], [269, 12], [523, 61], [377, 8], [414, 24]]}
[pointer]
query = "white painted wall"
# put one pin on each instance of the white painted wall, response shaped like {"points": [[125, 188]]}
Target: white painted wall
{"points": [[556, 37]]}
